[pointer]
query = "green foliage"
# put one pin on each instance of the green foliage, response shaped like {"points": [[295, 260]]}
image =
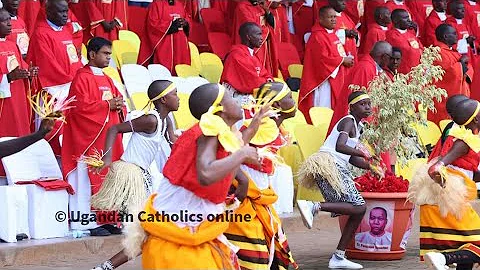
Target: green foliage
{"points": [[394, 101]]}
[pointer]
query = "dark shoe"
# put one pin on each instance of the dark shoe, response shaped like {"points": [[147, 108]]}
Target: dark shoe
{"points": [[99, 232], [112, 229], [21, 236]]}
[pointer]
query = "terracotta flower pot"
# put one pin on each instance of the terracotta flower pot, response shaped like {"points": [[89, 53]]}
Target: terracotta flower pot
{"points": [[377, 238]]}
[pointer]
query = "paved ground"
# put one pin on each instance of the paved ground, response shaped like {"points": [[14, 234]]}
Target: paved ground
{"points": [[311, 249]]}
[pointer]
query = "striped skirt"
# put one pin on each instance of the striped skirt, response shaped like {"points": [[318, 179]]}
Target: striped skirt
{"points": [[260, 240], [449, 233]]}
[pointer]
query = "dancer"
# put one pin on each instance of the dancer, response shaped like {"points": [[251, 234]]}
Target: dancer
{"points": [[262, 240], [328, 169], [448, 223], [128, 181], [188, 233]]}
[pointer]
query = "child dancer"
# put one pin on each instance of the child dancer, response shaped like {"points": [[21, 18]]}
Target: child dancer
{"points": [[262, 241], [448, 223], [128, 181], [328, 170], [198, 175]]}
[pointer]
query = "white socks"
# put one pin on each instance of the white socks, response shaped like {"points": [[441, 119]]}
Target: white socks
{"points": [[340, 254], [316, 208]]}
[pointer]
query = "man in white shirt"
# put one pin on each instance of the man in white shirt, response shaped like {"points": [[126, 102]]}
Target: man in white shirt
{"points": [[377, 239]]}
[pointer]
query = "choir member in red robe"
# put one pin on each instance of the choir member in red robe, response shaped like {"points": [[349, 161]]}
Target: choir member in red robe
{"points": [[28, 10], [324, 68], [242, 70], [376, 32], [166, 40], [107, 17], [53, 51], [15, 111], [420, 10], [466, 35], [279, 12], [436, 17], [457, 71], [400, 37], [73, 25], [257, 11], [19, 33], [369, 16], [97, 107], [300, 19], [398, 4]]}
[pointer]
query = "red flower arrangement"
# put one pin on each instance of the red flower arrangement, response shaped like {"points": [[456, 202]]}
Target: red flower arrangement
{"points": [[389, 184]]}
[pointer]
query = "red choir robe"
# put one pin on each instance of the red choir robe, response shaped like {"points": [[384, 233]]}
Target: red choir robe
{"points": [[472, 13], [19, 34], [323, 55], [28, 10], [281, 32], [431, 23], [410, 46], [56, 55], [344, 22], [420, 10], [101, 10], [168, 50], [453, 81], [267, 53], [243, 71], [303, 20], [219, 5], [15, 112], [198, 32], [355, 10], [375, 33], [137, 23], [88, 122], [391, 5]]}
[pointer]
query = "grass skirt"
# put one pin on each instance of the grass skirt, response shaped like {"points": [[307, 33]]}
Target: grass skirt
{"points": [[125, 184], [320, 164], [454, 199]]}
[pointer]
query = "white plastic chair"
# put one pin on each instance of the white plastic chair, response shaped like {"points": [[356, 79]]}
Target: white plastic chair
{"points": [[136, 78], [159, 72], [37, 162], [32, 163]]}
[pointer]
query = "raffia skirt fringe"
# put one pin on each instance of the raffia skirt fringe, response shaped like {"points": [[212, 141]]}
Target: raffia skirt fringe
{"points": [[125, 185]]}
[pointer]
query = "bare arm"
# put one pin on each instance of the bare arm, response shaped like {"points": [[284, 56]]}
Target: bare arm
{"points": [[11, 147], [348, 128], [147, 124], [242, 188], [359, 162], [459, 148], [171, 133], [210, 169]]}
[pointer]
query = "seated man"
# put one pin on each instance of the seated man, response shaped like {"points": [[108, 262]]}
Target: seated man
{"points": [[243, 71]]}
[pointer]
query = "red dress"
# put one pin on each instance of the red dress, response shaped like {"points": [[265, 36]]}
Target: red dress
{"points": [[180, 168]]}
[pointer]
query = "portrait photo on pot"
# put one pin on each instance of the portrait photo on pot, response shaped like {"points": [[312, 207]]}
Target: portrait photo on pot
{"points": [[375, 232]]}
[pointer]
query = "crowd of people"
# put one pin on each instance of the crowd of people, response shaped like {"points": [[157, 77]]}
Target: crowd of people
{"points": [[229, 160]]}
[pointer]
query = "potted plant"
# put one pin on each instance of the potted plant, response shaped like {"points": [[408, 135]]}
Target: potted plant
{"points": [[385, 227]]}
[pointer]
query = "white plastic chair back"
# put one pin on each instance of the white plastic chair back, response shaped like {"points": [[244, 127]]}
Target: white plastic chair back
{"points": [[159, 72], [32, 163], [193, 82], [136, 78]]}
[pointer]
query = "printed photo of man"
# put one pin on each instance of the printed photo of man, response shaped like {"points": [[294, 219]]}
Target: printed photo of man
{"points": [[377, 239]]}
